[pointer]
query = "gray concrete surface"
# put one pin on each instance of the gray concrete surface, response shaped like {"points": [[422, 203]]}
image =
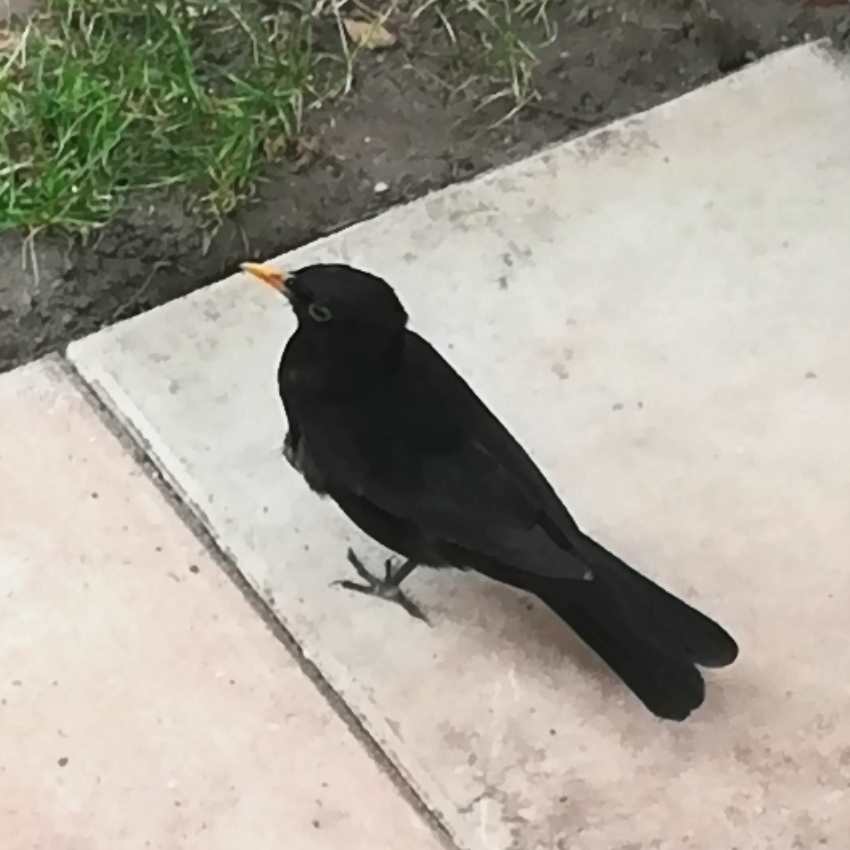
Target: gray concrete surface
{"points": [[142, 701], [659, 311]]}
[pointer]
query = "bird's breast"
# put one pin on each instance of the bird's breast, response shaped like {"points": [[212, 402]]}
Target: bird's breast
{"points": [[301, 458]]}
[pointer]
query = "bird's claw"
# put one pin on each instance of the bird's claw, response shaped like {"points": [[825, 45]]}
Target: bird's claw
{"points": [[387, 588], [373, 582], [412, 608]]}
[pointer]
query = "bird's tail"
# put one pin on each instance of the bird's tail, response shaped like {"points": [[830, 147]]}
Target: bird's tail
{"points": [[650, 638]]}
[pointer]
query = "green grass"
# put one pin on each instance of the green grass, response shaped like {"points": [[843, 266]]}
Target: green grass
{"points": [[101, 98], [499, 39]]}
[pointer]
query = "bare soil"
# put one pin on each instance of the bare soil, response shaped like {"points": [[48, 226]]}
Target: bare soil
{"points": [[403, 129]]}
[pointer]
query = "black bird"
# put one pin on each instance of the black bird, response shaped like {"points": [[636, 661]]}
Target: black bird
{"points": [[382, 424]]}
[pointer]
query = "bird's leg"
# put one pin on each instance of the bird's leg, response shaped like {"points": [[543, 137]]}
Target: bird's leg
{"points": [[389, 587]]}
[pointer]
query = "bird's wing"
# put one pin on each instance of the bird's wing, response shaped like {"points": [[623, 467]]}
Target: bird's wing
{"points": [[427, 451]]}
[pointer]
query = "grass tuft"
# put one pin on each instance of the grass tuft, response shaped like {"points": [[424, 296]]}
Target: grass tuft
{"points": [[102, 98], [500, 39]]}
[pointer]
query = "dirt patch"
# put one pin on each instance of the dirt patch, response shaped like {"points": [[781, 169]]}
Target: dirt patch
{"points": [[401, 133], [16, 8]]}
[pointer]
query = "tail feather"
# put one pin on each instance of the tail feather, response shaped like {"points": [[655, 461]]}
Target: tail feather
{"points": [[658, 615], [650, 638], [669, 687]]}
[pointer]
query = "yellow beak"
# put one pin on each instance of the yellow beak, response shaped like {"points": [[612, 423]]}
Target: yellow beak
{"points": [[274, 278]]}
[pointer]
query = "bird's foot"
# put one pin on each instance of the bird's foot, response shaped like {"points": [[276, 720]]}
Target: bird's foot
{"points": [[389, 587]]}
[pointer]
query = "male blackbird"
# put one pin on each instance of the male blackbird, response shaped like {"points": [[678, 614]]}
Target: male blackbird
{"points": [[381, 423]]}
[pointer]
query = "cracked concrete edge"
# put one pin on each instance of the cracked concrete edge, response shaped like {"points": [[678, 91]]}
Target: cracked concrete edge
{"points": [[101, 395]]}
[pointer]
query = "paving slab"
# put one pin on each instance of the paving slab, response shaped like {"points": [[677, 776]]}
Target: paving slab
{"points": [[659, 311], [143, 703]]}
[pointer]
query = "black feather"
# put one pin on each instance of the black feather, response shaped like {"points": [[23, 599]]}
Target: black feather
{"points": [[381, 423]]}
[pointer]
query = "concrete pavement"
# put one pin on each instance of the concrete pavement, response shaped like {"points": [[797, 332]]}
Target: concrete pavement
{"points": [[659, 313]]}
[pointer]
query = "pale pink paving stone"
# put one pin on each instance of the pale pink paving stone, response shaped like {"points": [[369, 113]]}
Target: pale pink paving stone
{"points": [[143, 702]]}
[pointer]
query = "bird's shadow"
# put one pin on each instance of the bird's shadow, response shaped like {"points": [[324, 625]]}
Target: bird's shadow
{"points": [[524, 634], [511, 623]]}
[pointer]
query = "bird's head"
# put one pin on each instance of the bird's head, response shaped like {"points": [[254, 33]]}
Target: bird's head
{"points": [[335, 298]]}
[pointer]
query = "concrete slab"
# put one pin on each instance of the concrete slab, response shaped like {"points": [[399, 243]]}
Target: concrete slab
{"points": [[143, 704], [659, 311]]}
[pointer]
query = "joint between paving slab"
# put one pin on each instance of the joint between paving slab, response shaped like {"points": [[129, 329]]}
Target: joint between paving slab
{"points": [[193, 518]]}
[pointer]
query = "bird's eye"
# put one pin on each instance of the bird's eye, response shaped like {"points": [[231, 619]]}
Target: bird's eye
{"points": [[319, 312]]}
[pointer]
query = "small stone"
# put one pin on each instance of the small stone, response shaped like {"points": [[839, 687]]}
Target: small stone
{"points": [[381, 187]]}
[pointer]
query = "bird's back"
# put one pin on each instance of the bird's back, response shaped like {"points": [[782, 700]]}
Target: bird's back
{"points": [[419, 445]]}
